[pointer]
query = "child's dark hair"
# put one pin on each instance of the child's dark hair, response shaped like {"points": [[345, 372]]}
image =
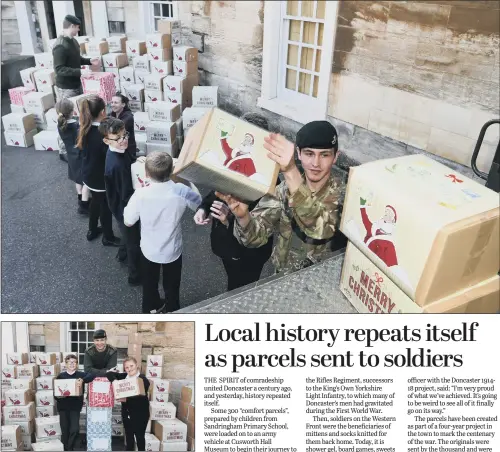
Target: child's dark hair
{"points": [[124, 98], [68, 357], [111, 126], [64, 109], [90, 108]]}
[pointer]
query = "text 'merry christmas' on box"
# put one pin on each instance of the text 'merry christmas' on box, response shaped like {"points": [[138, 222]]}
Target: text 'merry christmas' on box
{"points": [[40, 100], [205, 96], [18, 123], [27, 371], [117, 44], [164, 111], [227, 154], [431, 230], [170, 430], [162, 411], [128, 387], [19, 413], [371, 291]]}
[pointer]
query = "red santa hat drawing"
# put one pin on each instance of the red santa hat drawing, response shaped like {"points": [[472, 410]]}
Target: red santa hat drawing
{"points": [[391, 211]]}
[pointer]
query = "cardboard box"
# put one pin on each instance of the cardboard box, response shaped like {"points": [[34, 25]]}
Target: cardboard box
{"points": [[158, 41], [159, 55], [154, 372], [118, 341], [82, 39], [187, 394], [178, 126], [138, 172], [170, 430], [141, 120], [140, 141], [153, 96], [28, 77], [155, 360], [164, 112], [99, 443], [127, 75], [161, 411], [128, 387], [159, 386], [180, 99], [169, 27], [44, 60], [136, 48], [161, 132], [20, 140], [134, 349], [174, 84], [161, 67], [371, 291], [153, 82], [172, 149], [45, 79], [190, 116], [51, 118], [205, 96], [94, 68], [45, 383], [54, 369], [27, 371], [118, 430], [11, 437], [46, 359], [140, 76], [116, 78], [47, 426], [45, 398], [227, 154], [18, 93], [17, 109], [27, 427], [135, 106], [45, 411], [27, 441], [53, 445], [185, 53], [185, 412], [174, 446], [18, 123], [135, 338], [152, 442], [115, 60], [117, 44], [458, 240], [116, 419], [100, 83], [58, 357], [32, 357], [19, 413], [39, 117], [141, 63], [67, 388], [100, 393], [35, 99], [184, 68], [19, 397], [97, 47], [23, 383], [46, 141]]}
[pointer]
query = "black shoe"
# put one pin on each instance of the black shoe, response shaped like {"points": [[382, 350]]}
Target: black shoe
{"points": [[115, 241], [134, 281], [83, 207], [63, 157], [158, 311], [91, 235], [121, 255]]}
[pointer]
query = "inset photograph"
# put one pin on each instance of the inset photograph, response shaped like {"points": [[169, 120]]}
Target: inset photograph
{"points": [[98, 386]]}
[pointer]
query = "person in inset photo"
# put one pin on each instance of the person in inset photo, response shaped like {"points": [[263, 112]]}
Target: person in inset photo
{"points": [[100, 357]]}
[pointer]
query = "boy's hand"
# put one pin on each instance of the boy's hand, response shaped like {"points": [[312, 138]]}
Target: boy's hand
{"points": [[239, 208], [201, 219], [221, 212]]}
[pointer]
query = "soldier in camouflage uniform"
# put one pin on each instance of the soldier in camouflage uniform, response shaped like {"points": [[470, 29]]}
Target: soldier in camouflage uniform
{"points": [[305, 210]]}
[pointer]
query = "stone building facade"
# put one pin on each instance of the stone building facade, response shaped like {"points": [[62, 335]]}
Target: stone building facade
{"points": [[394, 77]]}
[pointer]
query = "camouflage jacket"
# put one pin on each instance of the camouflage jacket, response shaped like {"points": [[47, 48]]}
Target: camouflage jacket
{"points": [[316, 214]]}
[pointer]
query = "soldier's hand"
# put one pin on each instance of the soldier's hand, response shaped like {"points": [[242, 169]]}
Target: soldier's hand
{"points": [[281, 151], [95, 61], [200, 218], [239, 208]]}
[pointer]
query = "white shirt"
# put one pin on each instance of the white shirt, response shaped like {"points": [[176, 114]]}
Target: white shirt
{"points": [[160, 207]]}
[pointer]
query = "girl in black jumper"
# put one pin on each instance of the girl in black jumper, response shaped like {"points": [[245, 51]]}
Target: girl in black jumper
{"points": [[67, 126], [69, 407], [92, 112], [135, 410]]}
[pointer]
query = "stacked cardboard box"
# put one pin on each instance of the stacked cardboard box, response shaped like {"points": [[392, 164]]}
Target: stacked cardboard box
{"points": [[19, 129], [422, 239], [99, 414], [11, 438], [39, 103], [161, 131], [186, 413], [135, 347]]}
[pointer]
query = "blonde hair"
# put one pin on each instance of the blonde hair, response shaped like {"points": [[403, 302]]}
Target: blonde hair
{"points": [[159, 166], [64, 110], [130, 358]]}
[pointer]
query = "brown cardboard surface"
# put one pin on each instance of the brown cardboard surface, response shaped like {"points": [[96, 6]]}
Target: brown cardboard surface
{"points": [[129, 387], [134, 349], [134, 338]]}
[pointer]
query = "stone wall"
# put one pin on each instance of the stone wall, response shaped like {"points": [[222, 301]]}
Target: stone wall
{"points": [[11, 41], [425, 73]]}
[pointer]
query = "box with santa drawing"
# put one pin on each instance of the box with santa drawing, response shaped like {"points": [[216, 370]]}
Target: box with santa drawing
{"points": [[141, 120], [46, 141], [431, 230], [371, 291], [159, 55], [114, 60], [138, 171], [136, 48], [185, 68], [47, 426], [44, 60], [67, 387], [19, 396], [45, 79], [19, 413], [153, 372], [135, 92], [161, 67], [23, 383], [28, 77], [227, 154], [45, 411], [45, 383], [127, 76], [45, 397], [16, 359], [153, 96], [21, 140], [158, 41]]}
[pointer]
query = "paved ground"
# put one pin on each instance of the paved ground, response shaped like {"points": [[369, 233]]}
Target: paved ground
{"points": [[47, 264]]}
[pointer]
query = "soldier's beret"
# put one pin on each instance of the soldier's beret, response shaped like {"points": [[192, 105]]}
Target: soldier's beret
{"points": [[99, 334], [317, 135], [73, 20]]}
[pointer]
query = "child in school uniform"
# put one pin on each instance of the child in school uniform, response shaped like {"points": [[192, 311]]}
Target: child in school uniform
{"points": [[160, 207], [69, 407], [135, 410], [119, 189], [68, 126]]}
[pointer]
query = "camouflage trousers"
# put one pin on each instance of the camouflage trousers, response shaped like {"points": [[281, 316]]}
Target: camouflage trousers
{"points": [[63, 93]]}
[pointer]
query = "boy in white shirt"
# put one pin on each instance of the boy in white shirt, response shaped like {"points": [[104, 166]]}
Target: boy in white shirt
{"points": [[160, 207]]}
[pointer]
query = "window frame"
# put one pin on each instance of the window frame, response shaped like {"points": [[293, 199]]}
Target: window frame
{"points": [[65, 338], [296, 106], [151, 16]]}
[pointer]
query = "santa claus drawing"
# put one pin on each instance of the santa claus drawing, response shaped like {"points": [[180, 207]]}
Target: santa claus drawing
{"points": [[239, 159], [378, 236]]}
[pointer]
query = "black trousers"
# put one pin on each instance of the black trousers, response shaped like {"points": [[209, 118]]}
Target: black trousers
{"points": [[70, 428], [135, 429], [131, 244], [171, 284], [99, 209], [241, 272]]}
